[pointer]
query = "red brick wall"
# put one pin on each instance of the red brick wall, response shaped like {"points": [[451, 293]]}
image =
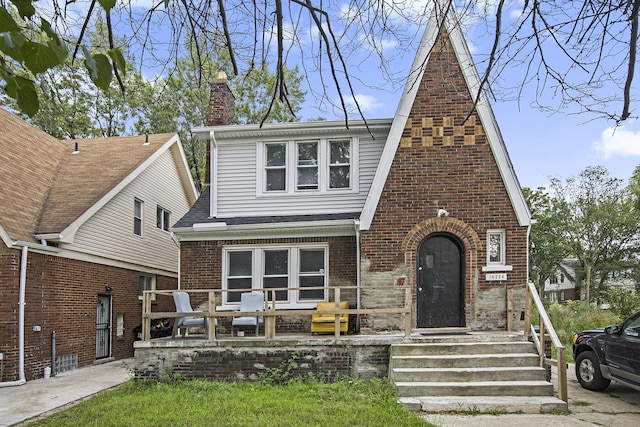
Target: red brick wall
{"points": [[61, 296], [201, 268], [445, 162]]}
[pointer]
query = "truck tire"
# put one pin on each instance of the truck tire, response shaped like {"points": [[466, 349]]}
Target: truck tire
{"points": [[588, 372]]}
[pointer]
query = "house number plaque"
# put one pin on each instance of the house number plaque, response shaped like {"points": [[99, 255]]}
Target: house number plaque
{"points": [[496, 276]]}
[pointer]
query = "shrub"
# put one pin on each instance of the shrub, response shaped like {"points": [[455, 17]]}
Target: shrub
{"points": [[623, 301]]}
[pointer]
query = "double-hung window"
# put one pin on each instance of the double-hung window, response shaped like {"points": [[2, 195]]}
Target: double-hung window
{"points": [[138, 209], [340, 164], [285, 269], [307, 166], [275, 173], [146, 282]]}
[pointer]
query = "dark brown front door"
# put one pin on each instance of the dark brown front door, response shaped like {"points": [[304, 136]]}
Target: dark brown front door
{"points": [[440, 295]]}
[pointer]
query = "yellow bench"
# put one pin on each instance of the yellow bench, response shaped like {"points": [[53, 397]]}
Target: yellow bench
{"points": [[326, 322]]}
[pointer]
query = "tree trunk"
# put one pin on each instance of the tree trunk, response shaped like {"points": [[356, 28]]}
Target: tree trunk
{"points": [[587, 282]]}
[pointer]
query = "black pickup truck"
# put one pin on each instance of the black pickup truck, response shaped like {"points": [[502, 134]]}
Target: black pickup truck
{"points": [[609, 354]]}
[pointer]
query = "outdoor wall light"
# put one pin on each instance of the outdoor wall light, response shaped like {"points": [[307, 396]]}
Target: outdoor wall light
{"points": [[442, 212], [108, 288]]}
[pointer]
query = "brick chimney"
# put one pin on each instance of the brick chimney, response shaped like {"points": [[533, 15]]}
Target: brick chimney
{"points": [[221, 109]]}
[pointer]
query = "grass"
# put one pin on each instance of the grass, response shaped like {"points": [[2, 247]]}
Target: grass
{"points": [[200, 403]]}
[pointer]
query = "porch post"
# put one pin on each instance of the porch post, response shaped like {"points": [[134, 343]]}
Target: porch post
{"points": [[407, 312], [337, 316]]}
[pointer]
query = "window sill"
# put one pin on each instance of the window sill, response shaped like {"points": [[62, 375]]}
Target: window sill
{"points": [[492, 268]]}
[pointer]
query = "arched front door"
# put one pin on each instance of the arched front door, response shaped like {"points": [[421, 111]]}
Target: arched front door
{"points": [[440, 281]]}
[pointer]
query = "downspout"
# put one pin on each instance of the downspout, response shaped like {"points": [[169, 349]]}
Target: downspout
{"points": [[358, 293], [177, 242], [213, 172], [21, 302]]}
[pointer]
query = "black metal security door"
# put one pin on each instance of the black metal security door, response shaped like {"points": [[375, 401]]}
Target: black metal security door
{"points": [[103, 327], [440, 274]]}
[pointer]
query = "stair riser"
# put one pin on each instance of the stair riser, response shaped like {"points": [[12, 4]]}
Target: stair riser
{"points": [[444, 376], [453, 362], [461, 348], [465, 390]]}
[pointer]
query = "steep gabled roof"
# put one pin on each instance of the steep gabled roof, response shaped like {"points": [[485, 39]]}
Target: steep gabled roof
{"points": [[51, 189], [451, 26]]}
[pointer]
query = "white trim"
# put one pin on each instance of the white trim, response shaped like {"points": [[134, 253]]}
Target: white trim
{"points": [[502, 250], [484, 111], [293, 275], [291, 168], [213, 231], [493, 268]]}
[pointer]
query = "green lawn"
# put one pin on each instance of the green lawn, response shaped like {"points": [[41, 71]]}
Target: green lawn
{"points": [[207, 403]]}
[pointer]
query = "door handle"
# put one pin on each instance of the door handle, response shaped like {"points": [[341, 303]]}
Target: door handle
{"points": [[420, 289]]}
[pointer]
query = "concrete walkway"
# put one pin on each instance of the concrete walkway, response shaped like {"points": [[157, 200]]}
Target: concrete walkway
{"points": [[46, 396], [617, 406]]}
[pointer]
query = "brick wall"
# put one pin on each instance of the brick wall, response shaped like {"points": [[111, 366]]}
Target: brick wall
{"points": [[444, 161], [61, 296], [201, 268]]}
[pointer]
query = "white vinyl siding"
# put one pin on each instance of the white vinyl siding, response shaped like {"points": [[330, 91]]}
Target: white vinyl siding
{"points": [[237, 181], [108, 233]]}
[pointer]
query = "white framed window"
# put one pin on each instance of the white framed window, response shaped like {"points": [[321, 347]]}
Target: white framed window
{"points": [[138, 212], [119, 325], [163, 218], [275, 167], [496, 247], [340, 163], [253, 268], [146, 282], [307, 166]]}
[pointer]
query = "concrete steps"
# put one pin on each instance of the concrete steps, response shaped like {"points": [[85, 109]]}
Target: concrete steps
{"points": [[471, 373]]}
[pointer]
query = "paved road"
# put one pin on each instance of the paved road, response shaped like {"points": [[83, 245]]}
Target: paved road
{"points": [[617, 406]]}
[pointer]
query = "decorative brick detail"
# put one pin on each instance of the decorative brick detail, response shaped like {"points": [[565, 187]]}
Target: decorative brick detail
{"points": [[441, 225]]}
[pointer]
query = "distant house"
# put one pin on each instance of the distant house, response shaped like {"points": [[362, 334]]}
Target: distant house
{"points": [[427, 199], [562, 286], [83, 230]]}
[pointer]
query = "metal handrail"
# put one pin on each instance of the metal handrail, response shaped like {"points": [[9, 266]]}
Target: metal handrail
{"points": [[546, 325]]}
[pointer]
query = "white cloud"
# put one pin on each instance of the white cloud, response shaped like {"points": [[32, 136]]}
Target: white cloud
{"points": [[620, 141], [368, 103]]}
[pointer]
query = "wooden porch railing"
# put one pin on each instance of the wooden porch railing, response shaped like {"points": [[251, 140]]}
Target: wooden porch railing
{"points": [[546, 326], [271, 309]]}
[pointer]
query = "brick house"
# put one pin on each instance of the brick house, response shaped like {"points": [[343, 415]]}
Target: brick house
{"points": [[428, 199], [84, 227]]}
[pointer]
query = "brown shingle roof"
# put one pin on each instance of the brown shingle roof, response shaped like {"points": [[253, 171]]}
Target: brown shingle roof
{"points": [[82, 179], [45, 187], [28, 160]]}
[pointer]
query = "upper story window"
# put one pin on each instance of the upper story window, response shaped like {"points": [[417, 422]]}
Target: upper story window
{"points": [[138, 209], [275, 167], [163, 218], [306, 166], [340, 164]]}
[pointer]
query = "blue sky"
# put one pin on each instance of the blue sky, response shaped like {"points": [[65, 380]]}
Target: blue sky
{"points": [[540, 144]]}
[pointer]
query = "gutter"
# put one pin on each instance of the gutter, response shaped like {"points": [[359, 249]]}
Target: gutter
{"points": [[21, 303]]}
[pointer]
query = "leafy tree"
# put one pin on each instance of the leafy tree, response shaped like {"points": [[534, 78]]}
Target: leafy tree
{"points": [[596, 222], [576, 50], [546, 250], [180, 101]]}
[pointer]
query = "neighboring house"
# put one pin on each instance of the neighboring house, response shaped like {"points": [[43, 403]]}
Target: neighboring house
{"points": [[428, 199], [562, 286], [83, 229]]}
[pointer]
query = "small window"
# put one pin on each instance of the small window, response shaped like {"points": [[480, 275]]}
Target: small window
{"points": [[163, 218], [495, 247], [307, 177], [119, 324], [137, 217], [340, 164], [275, 167], [146, 282]]}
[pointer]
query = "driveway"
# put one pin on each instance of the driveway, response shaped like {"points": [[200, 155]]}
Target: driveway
{"points": [[617, 406]]}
